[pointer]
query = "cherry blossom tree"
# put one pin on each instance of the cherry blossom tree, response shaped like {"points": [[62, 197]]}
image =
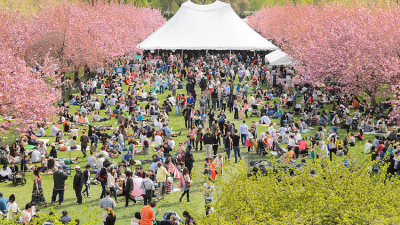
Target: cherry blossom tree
{"points": [[354, 46]]}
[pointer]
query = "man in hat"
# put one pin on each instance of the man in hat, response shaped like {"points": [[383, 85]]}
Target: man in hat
{"points": [[78, 184], [59, 178]]}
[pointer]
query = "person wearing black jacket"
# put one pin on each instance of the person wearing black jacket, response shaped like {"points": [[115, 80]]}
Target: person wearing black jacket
{"points": [[78, 183], [103, 178], [86, 180], [207, 139], [59, 178], [128, 188], [189, 159], [215, 142], [187, 112]]}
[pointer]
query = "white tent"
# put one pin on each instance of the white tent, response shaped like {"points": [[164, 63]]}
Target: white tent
{"points": [[278, 57], [206, 27]]}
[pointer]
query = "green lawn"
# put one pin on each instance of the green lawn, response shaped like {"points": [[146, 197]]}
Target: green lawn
{"points": [[23, 194]]}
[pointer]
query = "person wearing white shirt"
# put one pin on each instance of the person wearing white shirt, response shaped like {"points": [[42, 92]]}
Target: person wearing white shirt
{"points": [[35, 156], [367, 147], [171, 143], [252, 100], [270, 128], [292, 141], [100, 162], [243, 129], [298, 137], [40, 132], [157, 140], [5, 173], [265, 120], [97, 105], [54, 130], [104, 153]]}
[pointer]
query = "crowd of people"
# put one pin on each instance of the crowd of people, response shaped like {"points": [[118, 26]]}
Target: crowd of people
{"points": [[204, 91]]}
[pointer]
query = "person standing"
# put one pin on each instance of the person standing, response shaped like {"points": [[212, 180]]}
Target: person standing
{"points": [[111, 217], [186, 184], [103, 178], [128, 188], [86, 180], [189, 159], [59, 178], [215, 142], [107, 203], [84, 143], [148, 214], [243, 129], [148, 188], [207, 138], [111, 177], [37, 193], [78, 184], [162, 176], [228, 144], [236, 145]]}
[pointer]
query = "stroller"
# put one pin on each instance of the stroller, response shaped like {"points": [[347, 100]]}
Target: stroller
{"points": [[261, 149], [297, 109], [166, 218], [354, 124], [276, 149], [254, 110], [19, 177]]}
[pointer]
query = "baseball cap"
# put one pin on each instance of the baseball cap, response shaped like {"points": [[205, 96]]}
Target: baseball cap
{"points": [[77, 167]]}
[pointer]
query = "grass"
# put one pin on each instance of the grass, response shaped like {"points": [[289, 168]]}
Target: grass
{"points": [[23, 193]]}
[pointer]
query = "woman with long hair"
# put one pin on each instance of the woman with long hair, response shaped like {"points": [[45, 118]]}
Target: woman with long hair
{"points": [[186, 184], [111, 177], [37, 193]]}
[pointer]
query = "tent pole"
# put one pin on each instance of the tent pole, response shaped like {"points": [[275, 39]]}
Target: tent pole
{"points": [[206, 52], [182, 54], [255, 53], [230, 53], [158, 52]]}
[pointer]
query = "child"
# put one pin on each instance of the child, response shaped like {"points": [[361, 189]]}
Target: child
{"points": [[73, 143], [285, 137]]}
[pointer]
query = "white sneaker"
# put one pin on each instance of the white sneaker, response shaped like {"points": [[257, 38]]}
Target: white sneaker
{"points": [[6, 181]]}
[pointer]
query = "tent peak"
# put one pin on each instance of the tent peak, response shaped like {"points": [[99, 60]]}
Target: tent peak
{"points": [[213, 6]]}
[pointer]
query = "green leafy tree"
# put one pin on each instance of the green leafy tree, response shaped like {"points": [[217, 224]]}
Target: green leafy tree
{"points": [[340, 192]]}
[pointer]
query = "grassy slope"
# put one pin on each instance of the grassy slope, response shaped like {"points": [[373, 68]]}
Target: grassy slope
{"points": [[23, 194]]}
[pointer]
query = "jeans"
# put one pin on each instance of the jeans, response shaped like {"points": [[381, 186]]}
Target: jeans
{"points": [[60, 194], [243, 139], [177, 110], [114, 192], [78, 193], [83, 149], [236, 149], [228, 152], [207, 202], [214, 102], [103, 191], [161, 89], [87, 187]]}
